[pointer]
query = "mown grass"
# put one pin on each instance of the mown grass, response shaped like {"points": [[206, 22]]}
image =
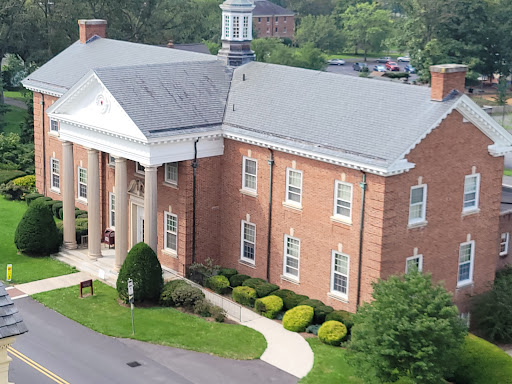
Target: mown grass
{"points": [[507, 172], [13, 118], [14, 95], [166, 326]]}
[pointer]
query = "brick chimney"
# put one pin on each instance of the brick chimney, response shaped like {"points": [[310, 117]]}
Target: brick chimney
{"points": [[90, 28], [445, 78]]}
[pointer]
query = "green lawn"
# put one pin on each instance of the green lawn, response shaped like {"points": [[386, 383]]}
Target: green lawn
{"points": [[14, 95], [507, 172], [24, 268], [330, 366], [166, 326], [13, 118]]}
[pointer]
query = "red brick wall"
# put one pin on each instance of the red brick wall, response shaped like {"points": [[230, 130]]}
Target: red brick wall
{"points": [[505, 226], [443, 83], [284, 28]]}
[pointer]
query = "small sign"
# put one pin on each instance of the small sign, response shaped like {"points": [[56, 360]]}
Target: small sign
{"points": [[9, 272], [130, 297], [130, 287], [85, 284]]}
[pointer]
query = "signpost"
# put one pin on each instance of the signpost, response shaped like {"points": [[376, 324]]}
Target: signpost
{"points": [[130, 296], [9, 272]]}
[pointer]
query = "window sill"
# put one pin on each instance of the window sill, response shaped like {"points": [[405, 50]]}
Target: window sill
{"points": [[57, 191], [465, 284], [290, 279], [170, 185], [335, 296], [141, 175], [169, 252], [248, 192], [341, 220], [470, 212], [504, 254], [53, 134], [247, 264], [81, 201], [418, 224], [294, 206]]}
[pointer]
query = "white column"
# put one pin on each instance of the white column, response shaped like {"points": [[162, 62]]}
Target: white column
{"points": [[150, 207], [5, 359], [121, 212], [68, 195], [93, 204]]}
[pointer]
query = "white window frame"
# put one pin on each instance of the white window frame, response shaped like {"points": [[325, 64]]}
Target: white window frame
{"points": [[53, 173], [111, 210], [139, 171], [333, 272], [111, 160], [245, 29], [80, 183], [236, 27], [423, 217], [338, 199], [169, 180], [477, 193], [245, 174], [227, 27], [287, 200], [243, 240], [54, 126], [168, 232], [420, 263], [286, 255], [471, 264], [504, 241]]}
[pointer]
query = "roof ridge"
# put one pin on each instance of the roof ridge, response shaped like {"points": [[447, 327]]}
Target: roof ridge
{"points": [[176, 63]]}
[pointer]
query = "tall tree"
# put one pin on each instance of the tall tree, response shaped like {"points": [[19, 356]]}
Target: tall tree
{"points": [[321, 31]]}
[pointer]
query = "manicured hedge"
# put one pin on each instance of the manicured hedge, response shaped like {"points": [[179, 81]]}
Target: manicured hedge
{"points": [[219, 284], [32, 196], [244, 295], [343, 317], [228, 272], [79, 212], [55, 209], [28, 182], [187, 296], [297, 319], [167, 291], [265, 289], [269, 306], [332, 332], [253, 282], [321, 312], [293, 300], [312, 303], [81, 229], [238, 280]]}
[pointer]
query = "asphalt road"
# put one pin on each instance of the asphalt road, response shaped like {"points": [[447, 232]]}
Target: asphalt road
{"points": [[58, 350], [347, 68]]}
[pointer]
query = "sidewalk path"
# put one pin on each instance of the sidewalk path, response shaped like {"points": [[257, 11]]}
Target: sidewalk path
{"points": [[15, 103], [52, 283]]}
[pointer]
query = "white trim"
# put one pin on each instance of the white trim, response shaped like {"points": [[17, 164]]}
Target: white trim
{"points": [[43, 90], [420, 262], [337, 216], [166, 179], [79, 183], [111, 161], [168, 232], [111, 210], [52, 122], [423, 216], [471, 264], [504, 241], [243, 240], [286, 255], [57, 161], [288, 201], [477, 193], [333, 272], [254, 190], [137, 170]]}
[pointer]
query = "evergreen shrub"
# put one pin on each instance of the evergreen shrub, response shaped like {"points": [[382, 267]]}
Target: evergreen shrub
{"points": [[269, 306], [29, 198], [238, 280], [253, 282], [332, 332], [265, 289], [55, 209], [297, 319], [228, 272], [187, 296], [167, 290], [343, 317], [321, 312], [244, 295], [219, 284]]}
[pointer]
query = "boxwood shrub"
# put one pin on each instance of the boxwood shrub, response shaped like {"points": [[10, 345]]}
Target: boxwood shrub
{"points": [[81, 229], [55, 209], [253, 282], [186, 296], [265, 289], [219, 284], [79, 212], [343, 317], [50, 203], [321, 312], [312, 303], [228, 272], [238, 280], [29, 198], [297, 319], [332, 332], [284, 293], [269, 306], [293, 300], [244, 295], [168, 289]]}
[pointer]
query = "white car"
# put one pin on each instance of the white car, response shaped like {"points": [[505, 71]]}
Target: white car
{"points": [[336, 62], [404, 59]]}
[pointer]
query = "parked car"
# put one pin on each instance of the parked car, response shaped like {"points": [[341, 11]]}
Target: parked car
{"points": [[409, 68], [384, 59], [404, 59], [380, 68], [392, 66], [360, 67], [336, 62]]}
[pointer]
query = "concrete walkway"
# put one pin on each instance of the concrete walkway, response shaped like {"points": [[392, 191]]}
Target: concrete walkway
{"points": [[15, 103], [53, 283]]}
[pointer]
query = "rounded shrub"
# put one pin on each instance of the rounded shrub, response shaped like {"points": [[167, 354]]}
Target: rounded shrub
{"points": [[60, 230], [244, 295], [79, 212], [253, 282], [202, 308], [228, 272], [43, 198], [297, 319], [81, 229], [283, 293], [28, 182], [29, 198], [293, 300], [238, 280], [143, 267], [332, 332], [219, 284], [312, 303], [343, 317], [265, 289], [187, 296], [55, 209], [269, 306], [167, 290], [50, 203], [37, 234], [321, 312]]}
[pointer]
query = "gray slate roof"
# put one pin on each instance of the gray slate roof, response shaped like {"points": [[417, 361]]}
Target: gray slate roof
{"points": [[267, 8], [11, 323], [358, 119], [193, 47], [168, 99], [64, 70]]}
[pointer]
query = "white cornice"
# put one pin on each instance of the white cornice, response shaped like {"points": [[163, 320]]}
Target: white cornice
{"points": [[42, 90]]}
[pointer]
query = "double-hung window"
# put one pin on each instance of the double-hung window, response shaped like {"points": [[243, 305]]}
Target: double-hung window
{"points": [[171, 232], [414, 263], [54, 126], [339, 274], [293, 186], [471, 192], [55, 174], [291, 257], [343, 200], [112, 210], [82, 183], [466, 261], [418, 204], [249, 174], [248, 242], [505, 237], [171, 173]]}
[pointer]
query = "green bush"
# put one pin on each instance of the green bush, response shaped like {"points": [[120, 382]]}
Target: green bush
{"points": [[50, 203], [396, 75], [83, 216], [228, 272], [481, 362], [343, 317], [186, 296], [11, 191], [253, 282], [202, 308], [219, 284], [200, 272], [244, 295], [167, 290], [312, 303], [55, 209], [265, 289], [321, 312], [79, 212], [31, 197], [269, 306], [218, 314], [298, 318], [60, 230], [28, 182], [332, 332], [284, 293], [37, 234], [238, 280], [313, 328], [143, 267], [43, 198], [293, 300], [81, 229]]}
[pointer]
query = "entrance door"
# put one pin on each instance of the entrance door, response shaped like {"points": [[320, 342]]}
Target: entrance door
{"points": [[140, 224]]}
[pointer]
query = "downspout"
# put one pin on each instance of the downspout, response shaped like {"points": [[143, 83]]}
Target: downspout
{"points": [[361, 230], [44, 146], [194, 170], [271, 164]]}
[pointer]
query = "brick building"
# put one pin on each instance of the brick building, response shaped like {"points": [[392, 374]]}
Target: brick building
{"points": [[272, 20], [316, 192]]}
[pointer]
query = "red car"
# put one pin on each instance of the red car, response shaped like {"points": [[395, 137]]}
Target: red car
{"points": [[392, 66]]}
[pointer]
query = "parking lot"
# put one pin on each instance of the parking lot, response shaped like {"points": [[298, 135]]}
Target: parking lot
{"points": [[348, 70]]}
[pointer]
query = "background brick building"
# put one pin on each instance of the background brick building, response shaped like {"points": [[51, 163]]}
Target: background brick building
{"points": [[272, 20]]}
